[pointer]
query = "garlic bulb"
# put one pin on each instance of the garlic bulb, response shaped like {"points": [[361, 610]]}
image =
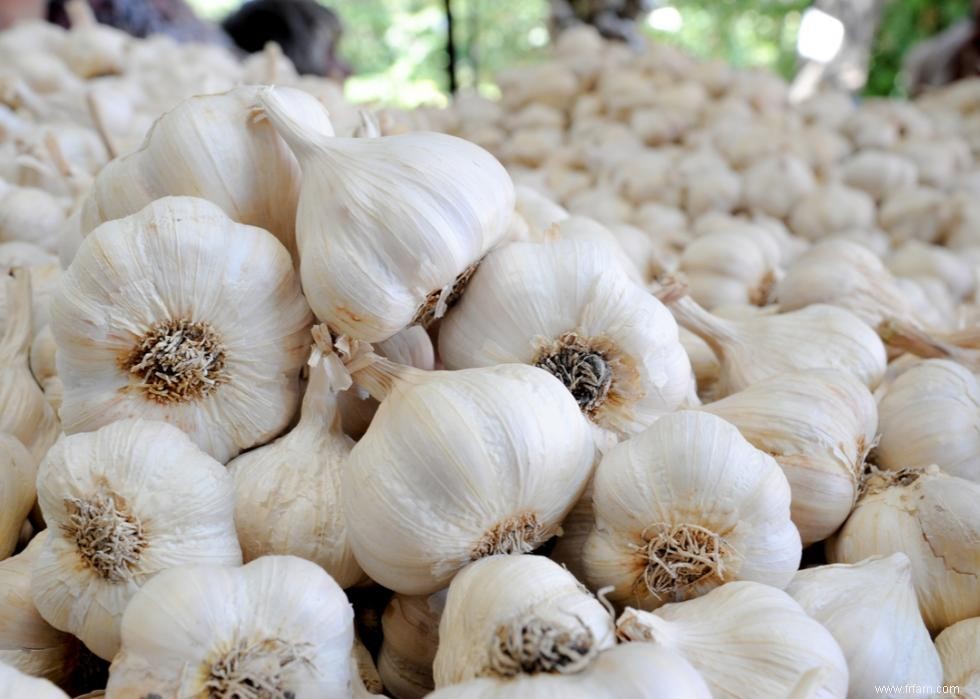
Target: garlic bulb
{"points": [[143, 331], [959, 649], [747, 640], [635, 670], [917, 259], [92, 49], [537, 210], [27, 641], [878, 172], [932, 518], [871, 610], [737, 266], [931, 415], [123, 503], [408, 648], [511, 615], [25, 415], [564, 306], [819, 425], [916, 213], [279, 623], [847, 275], [832, 208], [30, 215], [441, 478], [211, 146], [755, 348], [287, 493], [409, 216], [684, 507], [774, 185], [18, 471], [14, 683]]}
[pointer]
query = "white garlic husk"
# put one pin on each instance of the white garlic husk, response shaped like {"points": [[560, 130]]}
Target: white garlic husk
{"points": [[878, 172], [931, 415], [871, 610], [819, 425], [213, 147], [123, 503], [831, 208], [932, 518], [566, 307], [844, 274], [92, 49], [737, 266], [15, 683], [747, 640], [757, 347], [142, 332], [440, 479], [30, 215], [916, 213], [410, 626], [287, 493], [774, 185], [279, 622], [660, 535], [43, 363], [918, 259], [409, 217], [26, 414], [959, 649], [508, 615], [18, 472], [583, 228], [538, 211], [27, 641]]}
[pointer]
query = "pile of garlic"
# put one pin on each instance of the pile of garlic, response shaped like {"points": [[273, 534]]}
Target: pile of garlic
{"points": [[642, 381]]}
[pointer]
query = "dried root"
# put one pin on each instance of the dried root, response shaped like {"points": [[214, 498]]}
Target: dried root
{"points": [[254, 670], [677, 556], [534, 645], [109, 538], [519, 534]]}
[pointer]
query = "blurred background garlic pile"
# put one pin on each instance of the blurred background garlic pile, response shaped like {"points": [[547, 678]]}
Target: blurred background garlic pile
{"points": [[644, 381]]}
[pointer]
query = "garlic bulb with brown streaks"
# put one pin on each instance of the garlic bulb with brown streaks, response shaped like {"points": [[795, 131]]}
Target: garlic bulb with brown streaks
{"points": [[411, 636], [389, 229], [871, 610], [684, 507], [932, 518], [511, 615], [287, 493], [18, 473], [959, 649], [819, 425], [178, 313]]}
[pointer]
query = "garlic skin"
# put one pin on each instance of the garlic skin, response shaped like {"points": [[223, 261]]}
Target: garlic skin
{"points": [[410, 627], [959, 648], [43, 363], [212, 147], [18, 471], [932, 518], [871, 610], [635, 670], [878, 172], [747, 640], [764, 345], [30, 215], [565, 307], [917, 259], [410, 216], [287, 493], [441, 479], [27, 642], [511, 615], [15, 683], [931, 415], [774, 185], [819, 425], [130, 309], [537, 210], [736, 266], [279, 622], [832, 208], [684, 507], [120, 509]]}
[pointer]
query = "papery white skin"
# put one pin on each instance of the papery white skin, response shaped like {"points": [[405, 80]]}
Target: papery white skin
{"points": [[832, 208], [18, 472], [27, 641], [43, 363], [635, 670], [460, 464], [734, 267], [959, 648], [186, 619], [407, 214], [182, 258], [818, 425], [526, 296], [755, 348], [747, 640], [30, 215], [14, 683], [586, 229], [916, 213], [774, 185], [181, 498], [932, 518], [537, 210], [287, 493], [506, 592], [917, 259], [92, 49], [878, 172], [410, 626], [871, 610], [931, 415], [211, 146], [690, 469]]}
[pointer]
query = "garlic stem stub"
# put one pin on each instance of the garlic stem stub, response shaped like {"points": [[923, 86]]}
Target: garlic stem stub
{"points": [[389, 229], [459, 465]]}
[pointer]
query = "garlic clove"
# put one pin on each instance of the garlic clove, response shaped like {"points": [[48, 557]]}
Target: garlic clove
{"points": [[18, 472], [959, 648]]}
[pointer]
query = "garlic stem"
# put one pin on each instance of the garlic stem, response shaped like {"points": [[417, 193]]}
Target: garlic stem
{"points": [[300, 137], [379, 375], [716, 332], [902, 336]]}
